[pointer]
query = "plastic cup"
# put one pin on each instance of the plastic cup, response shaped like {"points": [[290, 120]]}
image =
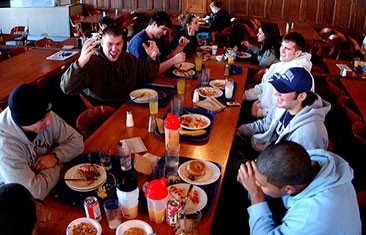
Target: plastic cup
{"points": [[229, 88], [113, 213], [190, 222], [181, 86], [198, 62], [205, 77], [176, 105], [214, 49], [105, 159], [356, 62], [153, 104]]}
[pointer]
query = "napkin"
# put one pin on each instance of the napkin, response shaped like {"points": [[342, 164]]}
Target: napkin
{"points": [[211, 104], [136, 145], [142, 163], [160, 125]]}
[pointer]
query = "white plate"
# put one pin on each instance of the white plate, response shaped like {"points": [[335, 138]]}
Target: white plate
{"points": [[205, 48], [83, 186], [212, 174], [185, 66], [94, 223], [214, 91], [218, 83], [190, 206], [182, 73], [196, 118], [243, 55], [143, 95], [122, 228]]}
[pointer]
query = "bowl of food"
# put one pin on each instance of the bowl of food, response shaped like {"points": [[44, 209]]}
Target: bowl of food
{"points": [[85, 226], [134, 227]]}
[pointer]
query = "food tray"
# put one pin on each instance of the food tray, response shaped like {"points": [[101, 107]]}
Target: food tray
{"points": [[200, 138]]}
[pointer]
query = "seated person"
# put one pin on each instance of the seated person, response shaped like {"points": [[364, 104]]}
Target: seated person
{"points": [[189, 28], [104, 22], [18, 205], [315, 187], [34, 142], [298, 116], [158, 27], [217, 23], [107, 75], [291, 55], [269, 52]]}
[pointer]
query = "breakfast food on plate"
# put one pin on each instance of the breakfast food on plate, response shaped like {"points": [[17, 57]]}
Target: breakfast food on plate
{"points": [[218, 83], [243, 54], [134, 231], [209, 91], [196, 169], [89, 172], [193, 121], [180, 193], [184, 66], [192, 133], [183, 73], [83, 229]]}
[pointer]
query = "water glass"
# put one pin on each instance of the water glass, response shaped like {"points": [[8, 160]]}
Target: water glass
{"points": [[158, 170], [172, 163], [124, 153], [153, 104], [190, 221], [105, 159], [205, 77], [176, 105], [113, 213], [229, 88]]}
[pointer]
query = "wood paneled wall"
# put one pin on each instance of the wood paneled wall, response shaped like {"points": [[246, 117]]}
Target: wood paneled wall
{"points": [[346, 15]]}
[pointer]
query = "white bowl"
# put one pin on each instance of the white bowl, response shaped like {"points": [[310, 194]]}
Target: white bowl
{"points": [[94, 223], [133, 223]]}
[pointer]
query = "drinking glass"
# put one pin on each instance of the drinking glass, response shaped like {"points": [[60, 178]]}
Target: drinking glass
{"points": [[153, 104], [356, 62], [229, 88], [181, 85], [124, 153], [198, 61], [172, 162], [113, 213], [205, 77], [214, 49], [176, 105], [105, 159]]}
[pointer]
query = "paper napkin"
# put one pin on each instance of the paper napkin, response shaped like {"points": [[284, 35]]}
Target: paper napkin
{"points": [[136, 145], [142, 163], [211, 104]]}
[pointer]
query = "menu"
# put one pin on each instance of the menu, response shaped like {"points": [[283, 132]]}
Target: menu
{"points": [[62, 55]]}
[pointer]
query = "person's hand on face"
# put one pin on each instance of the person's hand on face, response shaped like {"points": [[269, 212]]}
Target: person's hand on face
{"points": [[152, 50], [87, 51], [246, 177]]}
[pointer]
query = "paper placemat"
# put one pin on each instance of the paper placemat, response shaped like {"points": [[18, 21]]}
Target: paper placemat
{"points": [[343, 66]]}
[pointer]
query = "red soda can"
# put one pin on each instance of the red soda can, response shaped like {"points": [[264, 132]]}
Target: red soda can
{"points": [[173, 212], [92, 208]]}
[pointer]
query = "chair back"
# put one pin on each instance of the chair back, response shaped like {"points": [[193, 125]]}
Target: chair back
{"points": [[334, 86], [326, 32], [16, 51], [129, 27], [359, 131], [89, 120], [44, 42], [23, 32], [94, 12], [76, 25], [348, 109]]}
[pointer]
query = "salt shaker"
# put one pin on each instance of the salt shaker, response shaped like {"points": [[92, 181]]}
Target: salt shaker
{"points": [[196, 97], [287, 27], [129, 119], [343, 72]]}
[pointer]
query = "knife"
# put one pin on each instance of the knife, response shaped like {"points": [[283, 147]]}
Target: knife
{"points": [[162, 85], [184, 201]]}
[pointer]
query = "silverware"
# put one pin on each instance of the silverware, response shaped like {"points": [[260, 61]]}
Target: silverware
{"points": [[184, 201], [80, 179], [162, 85]]}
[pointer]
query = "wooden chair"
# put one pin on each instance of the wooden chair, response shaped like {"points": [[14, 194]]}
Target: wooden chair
{"points": [[334, 86], [255, 23], [348, 109], [94, 12], [354, 48], [23, 32], [44, 42], [329, 48], [16, 51], [129, 28], [325, 33], [359, 131], [224, 34], [89, 120], [76, 25]]}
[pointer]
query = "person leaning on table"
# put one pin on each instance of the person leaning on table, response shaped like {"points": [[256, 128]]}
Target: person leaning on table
{"points": [[34, 142], [107, 75], [315, 187], [20, 213], [159, 25]]}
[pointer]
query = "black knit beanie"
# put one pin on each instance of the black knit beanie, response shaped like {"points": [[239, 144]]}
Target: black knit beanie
{"points": [[28, 105]]}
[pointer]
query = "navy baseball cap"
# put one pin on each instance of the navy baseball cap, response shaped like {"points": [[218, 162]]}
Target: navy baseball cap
{"points": [[294, 79]]}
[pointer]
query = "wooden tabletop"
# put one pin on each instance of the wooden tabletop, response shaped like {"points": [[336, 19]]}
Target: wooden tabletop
{"points": [[67, 42], [356, 89], [28, 67], [215, 149], [7, 37], [96, 17], [306, 30], [334, 70]]}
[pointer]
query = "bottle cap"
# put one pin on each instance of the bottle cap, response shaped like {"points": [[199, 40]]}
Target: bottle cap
{"points": [[172, 122], [156, 189]]}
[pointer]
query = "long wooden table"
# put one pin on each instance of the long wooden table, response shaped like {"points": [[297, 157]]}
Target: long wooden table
{"points": [[356, 89], [216, 149], [333, 69], [28, 67]]}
